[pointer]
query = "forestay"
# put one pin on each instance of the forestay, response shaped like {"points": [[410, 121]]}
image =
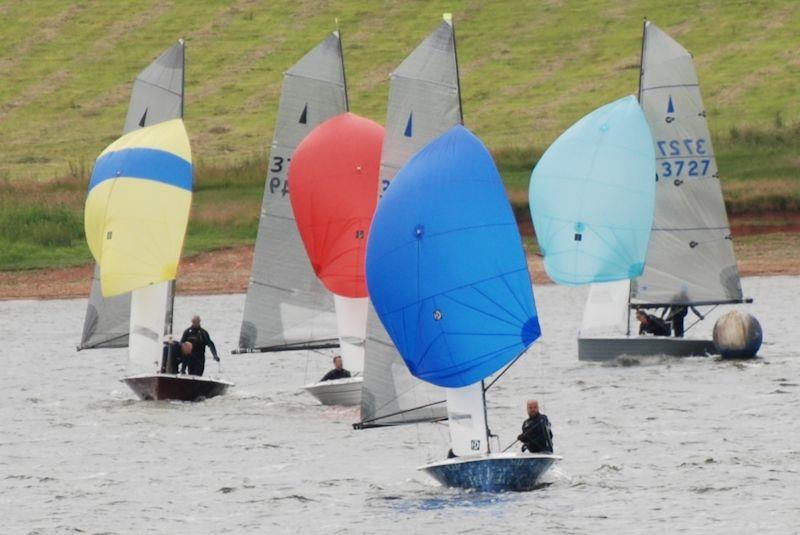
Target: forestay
{"points": [[592, 195], [424, 102], [286, 305], [157, 96], [690, 257], [446, 270]]}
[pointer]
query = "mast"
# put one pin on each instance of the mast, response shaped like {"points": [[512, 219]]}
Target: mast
{"points": [[641, 59], [486, 414], [169, 321], [448, 18], [639, 98], [344, 72]]}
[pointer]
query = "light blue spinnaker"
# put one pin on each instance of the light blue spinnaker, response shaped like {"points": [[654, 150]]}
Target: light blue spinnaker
{"points": [[446, 270], [592, 197]]}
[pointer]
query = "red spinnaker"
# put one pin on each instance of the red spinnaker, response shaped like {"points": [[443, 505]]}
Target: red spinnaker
{"points": [[333, 188]]}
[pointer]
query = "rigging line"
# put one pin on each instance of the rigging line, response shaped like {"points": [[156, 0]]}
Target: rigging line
{"points": [[399, 413], [700, 318], [505, 370], [669, 86]]}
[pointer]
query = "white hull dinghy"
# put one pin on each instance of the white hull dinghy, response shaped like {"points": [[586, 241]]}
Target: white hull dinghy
{"points": [[344, 392]]}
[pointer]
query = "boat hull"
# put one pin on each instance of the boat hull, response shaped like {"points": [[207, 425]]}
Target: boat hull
{"points": [[605, 349], [498, 472], [162, 386], [337, 392]]}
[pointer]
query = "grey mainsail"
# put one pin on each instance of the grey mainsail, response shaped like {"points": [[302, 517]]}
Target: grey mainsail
{"points": [[690, 258], [286, 306], [424, 102], [157, 96]]}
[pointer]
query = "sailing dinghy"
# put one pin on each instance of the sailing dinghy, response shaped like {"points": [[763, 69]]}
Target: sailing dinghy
{"points": [[334, 177], [136, 214], [690, 259], [287, 307], [448, 278], [157, 96]]}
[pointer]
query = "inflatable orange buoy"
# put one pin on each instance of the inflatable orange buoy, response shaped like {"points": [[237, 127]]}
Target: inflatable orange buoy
{"points": [[333, 189], [737, 335]]}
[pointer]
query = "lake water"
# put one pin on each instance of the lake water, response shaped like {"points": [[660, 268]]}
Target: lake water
{"points": [[663, 446]]}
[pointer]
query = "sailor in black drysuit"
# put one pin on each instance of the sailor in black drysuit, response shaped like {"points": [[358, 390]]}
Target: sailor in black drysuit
{"points": [[675, 316], [649, 324], [338, 372], [536, 435], [199, 338]]}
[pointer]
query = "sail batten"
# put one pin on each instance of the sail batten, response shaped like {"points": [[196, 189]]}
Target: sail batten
{"points": [[286, 305], [690, 258]]}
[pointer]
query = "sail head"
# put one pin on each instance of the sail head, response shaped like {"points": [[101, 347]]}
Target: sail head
{"points": [[424, 100]]}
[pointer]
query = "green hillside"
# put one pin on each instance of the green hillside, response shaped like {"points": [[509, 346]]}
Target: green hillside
{"points": [[529, 69]]}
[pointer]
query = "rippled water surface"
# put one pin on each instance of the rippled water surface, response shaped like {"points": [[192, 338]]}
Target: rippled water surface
{"points": [[667, 446]]}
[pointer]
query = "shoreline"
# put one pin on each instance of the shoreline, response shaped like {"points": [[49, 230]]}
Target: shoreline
{"points": [[227, 271]]}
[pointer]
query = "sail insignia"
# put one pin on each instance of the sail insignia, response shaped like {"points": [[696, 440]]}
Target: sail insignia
{"points": [[408, 130], [304, 115]]}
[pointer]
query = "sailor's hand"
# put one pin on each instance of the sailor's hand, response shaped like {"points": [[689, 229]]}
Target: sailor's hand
{"points": [[216, 358], [520, 437]]}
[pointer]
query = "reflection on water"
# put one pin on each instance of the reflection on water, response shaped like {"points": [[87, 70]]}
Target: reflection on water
{"points": [[649, 444]]}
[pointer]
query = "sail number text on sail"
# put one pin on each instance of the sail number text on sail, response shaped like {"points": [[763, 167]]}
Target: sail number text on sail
{"points": [[276, 181], [678, 151]]}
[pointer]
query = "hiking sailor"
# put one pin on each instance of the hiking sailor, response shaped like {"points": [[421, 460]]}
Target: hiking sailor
{"points": [[536, 435], [649, 324]]}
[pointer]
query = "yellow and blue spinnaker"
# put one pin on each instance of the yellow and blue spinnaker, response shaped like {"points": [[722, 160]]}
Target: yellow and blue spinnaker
{"points": [[137, 208]]}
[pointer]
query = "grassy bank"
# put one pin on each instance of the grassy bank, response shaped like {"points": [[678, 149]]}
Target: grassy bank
{"points": [[529, 70]]}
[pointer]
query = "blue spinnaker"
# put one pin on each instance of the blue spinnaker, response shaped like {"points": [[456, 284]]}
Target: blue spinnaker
{"points": [[446, 270], [592, 197]]}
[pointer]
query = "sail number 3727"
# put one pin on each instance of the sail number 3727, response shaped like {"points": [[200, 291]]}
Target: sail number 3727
{"points": [[683, 157]]}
